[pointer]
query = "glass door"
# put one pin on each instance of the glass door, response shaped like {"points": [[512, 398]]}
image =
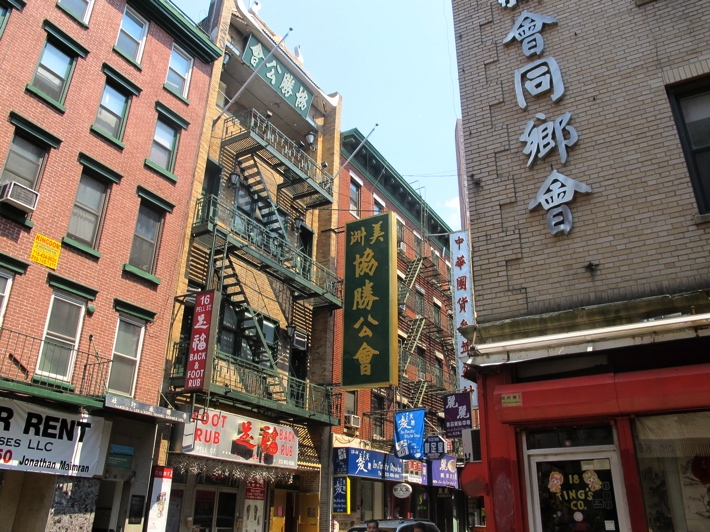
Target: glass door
{"points": [[215, 511], [577, 491]]}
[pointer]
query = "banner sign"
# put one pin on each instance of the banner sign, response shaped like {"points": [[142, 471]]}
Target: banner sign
{"points": [[225, 436], [159, 499], [370, 303], [367, 464], [462, 291], [41, 440], [457, 413], [409, 433], [443, 472], [278, 77], [198, 373], [434, 447], [341, 495]]}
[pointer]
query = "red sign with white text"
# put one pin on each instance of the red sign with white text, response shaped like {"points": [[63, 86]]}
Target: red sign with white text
{"points": [[197, 372]]}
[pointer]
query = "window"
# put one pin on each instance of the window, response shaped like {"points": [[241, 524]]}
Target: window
{"points": [[418, 301], [113, 110], [80, 9], [437, 315], [354, 198], [88, 212], [4, 15], [179, 71], [691, 107], [378, 420], [144, 250], [61, 337], [53, 72], [126, 353], [162, 151], [400, 231], [417, 245], [378, 208], [131, 37], [5, 285], [350, 400], [24, 163]]}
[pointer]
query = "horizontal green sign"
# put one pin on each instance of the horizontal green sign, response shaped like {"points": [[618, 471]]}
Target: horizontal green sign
{"points": [[279, 78]]}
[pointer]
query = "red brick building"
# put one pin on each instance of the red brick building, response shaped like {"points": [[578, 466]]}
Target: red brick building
{"points": [[102, 106]]}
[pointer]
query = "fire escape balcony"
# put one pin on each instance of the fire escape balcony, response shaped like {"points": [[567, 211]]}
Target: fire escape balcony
{"points": [[218, 226], [260, 389], [251, 133], [52, 370]]}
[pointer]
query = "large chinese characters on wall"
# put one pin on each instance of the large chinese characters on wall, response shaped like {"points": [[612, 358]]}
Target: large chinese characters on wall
{"points": [[543, 135], [370, 303]]}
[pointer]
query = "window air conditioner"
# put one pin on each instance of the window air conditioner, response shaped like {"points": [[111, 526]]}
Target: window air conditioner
{"points": [[351, 420], [300, 340], [19, 196], [403, 246]]}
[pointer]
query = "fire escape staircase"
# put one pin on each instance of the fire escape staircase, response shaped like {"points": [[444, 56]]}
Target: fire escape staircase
{"points": [[404, 288], [266, 207], [304, 179]]}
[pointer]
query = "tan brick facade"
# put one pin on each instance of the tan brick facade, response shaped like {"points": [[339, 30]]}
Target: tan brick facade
{"points": [[640, 223]]}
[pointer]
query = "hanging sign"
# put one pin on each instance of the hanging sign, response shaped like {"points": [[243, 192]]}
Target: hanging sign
{"points": [[402, 490], [198, 373], [341, 495], [409, 433], [457, 413]]}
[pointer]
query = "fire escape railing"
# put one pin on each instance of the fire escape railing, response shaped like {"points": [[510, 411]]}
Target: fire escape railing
{"points": [[36, 362], [279, 251], [258, 125]]}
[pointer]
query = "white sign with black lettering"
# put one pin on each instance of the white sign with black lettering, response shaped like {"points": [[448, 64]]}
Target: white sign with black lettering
{"points": [[41, 440]]}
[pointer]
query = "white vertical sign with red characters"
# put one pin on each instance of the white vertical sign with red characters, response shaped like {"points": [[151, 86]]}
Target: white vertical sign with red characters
{"points": [[199, 359], [159, 499], [462, 288]]}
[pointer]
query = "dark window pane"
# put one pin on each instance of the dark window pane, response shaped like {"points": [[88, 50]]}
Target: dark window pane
{"points": [[23, 164], [696, 111], [145, 239], [87, 211], [78, 8]]}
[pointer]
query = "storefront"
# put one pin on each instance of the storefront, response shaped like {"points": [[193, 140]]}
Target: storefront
{"points": [[235, 473], [627, 451]]}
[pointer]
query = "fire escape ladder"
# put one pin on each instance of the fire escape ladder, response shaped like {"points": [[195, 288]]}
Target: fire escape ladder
{"points": [[265, 204], [230, 285], [408, 283], [417, 393], [409, 345], [262, 353]]}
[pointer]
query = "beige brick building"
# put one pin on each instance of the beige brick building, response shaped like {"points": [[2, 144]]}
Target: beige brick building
{"points": [[586, 135]]}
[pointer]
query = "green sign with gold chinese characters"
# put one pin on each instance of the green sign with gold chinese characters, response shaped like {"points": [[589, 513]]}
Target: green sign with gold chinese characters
{"points": [[282, 80], [370, 303]]}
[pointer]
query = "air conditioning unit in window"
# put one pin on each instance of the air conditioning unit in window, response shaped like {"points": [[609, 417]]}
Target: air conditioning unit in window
{"points": [[403, 246], [19, 196], [352, 421], [300, 340]]}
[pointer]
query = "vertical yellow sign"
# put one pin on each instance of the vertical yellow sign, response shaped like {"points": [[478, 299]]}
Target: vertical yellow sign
{"points": [[45, 251]]}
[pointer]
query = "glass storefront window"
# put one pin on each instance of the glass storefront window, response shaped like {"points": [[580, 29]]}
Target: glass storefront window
{"points": [[572, 437], [674, 464]]}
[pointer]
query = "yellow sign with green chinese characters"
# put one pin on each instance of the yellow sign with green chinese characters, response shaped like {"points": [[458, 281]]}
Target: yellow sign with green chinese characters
{"points": [[370, 303]]}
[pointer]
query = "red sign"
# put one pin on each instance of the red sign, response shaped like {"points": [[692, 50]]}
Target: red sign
{"points": [[255, 490], [197, 370]]}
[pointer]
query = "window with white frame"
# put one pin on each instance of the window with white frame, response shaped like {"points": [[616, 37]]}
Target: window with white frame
{"points": [[378, 418], [355, 197], [54, 72], [179, 71], [61, 337], [163, 149], [350, 402], [378, 206], [126, 356], [80, 9], [5, 286], [113, 112], [132, 35]]}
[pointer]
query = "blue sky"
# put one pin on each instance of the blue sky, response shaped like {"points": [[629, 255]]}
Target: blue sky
{"points": [[394, 63]]}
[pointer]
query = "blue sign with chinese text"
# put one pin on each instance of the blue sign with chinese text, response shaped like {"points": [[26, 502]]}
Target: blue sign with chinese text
{"points": [[366, 463], [341, 495], [409, 434]]}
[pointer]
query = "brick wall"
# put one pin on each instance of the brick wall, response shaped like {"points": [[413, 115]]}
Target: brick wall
{"points": [[639, 223], [20, 48]]}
